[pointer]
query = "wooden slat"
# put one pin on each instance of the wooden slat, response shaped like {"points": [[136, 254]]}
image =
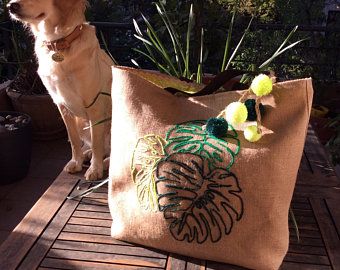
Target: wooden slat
{"points": [[84, 265], [86, 214], [307, 233], [303, 266], [92, 201], [106, 248], [307, 258], [195, 264], [297, 199], [91, 238], [305, 220], [318, 192], [93, 208], [87, 229], [220, 266], [45, 241], [293, 248], [26, 233], [307, 241], [316, 179], [106, 258], [301, 206], [90, 222], [304, 226], [303, 212], [328, 231], [334, 210], [175, 262]]}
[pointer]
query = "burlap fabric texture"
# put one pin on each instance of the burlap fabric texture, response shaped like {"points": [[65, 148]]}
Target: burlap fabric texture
{"points": [[175, 188]]}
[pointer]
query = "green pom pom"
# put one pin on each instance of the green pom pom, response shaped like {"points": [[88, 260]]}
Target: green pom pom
{"points": [[262, 85], [252, 115], [236, 113], [251, 134], [217, 127]]}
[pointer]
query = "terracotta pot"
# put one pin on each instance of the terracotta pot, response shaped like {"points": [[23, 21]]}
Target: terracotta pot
{"points": [[5, 102], [16, 149], [46, 120]]}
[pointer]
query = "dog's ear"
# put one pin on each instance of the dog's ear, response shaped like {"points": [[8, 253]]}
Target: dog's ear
{"points": [[68, 8]]}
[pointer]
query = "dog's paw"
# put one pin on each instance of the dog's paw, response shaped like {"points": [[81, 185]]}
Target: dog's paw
{"points": [[94, 173], [73, 166]]}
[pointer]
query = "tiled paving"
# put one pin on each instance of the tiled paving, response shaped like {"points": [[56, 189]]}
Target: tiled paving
{"points": [[48, 159]]}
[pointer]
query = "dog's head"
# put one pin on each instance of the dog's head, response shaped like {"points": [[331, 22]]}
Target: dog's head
{"points": [[35, 11]]}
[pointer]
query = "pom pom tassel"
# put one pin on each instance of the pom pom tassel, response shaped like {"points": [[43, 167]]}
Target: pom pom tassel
{"points": [[238, 112]]}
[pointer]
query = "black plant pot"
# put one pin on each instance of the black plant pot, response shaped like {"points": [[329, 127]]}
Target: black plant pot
{"points": [[15, 148]]}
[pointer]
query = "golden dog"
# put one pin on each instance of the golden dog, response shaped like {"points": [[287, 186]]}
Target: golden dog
{"points": [[75, 71]]}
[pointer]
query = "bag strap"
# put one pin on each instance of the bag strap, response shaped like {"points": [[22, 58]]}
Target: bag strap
{"points": [[219, 80]]}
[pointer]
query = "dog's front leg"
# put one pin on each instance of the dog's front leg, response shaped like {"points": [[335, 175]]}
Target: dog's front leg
{"points": [[76, 163], [95, 171]]}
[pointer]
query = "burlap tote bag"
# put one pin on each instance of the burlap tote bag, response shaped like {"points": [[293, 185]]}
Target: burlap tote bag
{"points": [[176, 188]]}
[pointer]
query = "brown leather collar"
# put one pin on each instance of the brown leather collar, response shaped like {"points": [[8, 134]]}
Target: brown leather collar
{"points": [[65, 42]]}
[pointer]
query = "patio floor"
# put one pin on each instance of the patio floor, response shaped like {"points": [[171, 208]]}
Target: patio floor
{"points": [[48, 159]]}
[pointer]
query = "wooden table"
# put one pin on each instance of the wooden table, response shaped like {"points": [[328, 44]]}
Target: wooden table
{"points": [[70, 234]]}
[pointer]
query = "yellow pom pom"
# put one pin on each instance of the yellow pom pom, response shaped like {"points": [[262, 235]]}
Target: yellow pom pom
{"points": [[236, 113], [262, 85], [251, 134]]}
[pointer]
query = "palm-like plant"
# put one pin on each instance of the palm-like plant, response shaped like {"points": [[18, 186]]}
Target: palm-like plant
{"points": [[176, 60]]}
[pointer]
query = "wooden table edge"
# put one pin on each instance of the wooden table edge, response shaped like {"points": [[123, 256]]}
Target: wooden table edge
{"points": [[27, 232]]}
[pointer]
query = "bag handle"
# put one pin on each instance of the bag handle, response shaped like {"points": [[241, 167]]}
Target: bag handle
{"points": [[219, 80]]}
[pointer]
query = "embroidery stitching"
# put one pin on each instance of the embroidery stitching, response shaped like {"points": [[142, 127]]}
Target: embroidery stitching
{"points": [[199, 203], [148, 152], [190, 137]]}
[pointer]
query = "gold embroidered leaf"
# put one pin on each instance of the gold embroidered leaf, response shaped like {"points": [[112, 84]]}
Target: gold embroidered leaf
{"points": [[148, 152]]}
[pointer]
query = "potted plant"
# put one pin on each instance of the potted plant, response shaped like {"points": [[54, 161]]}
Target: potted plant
{"points": [[26, 91], [29, 95], [15, 145], [175, 60]]}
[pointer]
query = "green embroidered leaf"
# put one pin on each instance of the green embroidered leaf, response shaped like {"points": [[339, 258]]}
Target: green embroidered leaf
{"points": [[148, 152], [191, 138], [200, 204]]}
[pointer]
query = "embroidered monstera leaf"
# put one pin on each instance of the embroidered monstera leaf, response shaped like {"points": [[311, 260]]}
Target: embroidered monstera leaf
{"points": [[191, 138], [199, 203], [148, 152]]}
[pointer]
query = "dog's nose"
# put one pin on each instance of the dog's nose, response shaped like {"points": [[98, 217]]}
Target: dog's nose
{"points": [[14, 8]]}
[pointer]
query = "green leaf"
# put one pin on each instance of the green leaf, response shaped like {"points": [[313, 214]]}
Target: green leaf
{"points": [[228, 41], [148, 152], [199, 76], [159, 45], [239, 44], [160, 67], [279, 51], [190, 27], [190, 137], [144, 40], [172, 35]]}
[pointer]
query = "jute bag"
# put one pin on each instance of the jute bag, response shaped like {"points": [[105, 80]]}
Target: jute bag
{"points": [[176, 188]]}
